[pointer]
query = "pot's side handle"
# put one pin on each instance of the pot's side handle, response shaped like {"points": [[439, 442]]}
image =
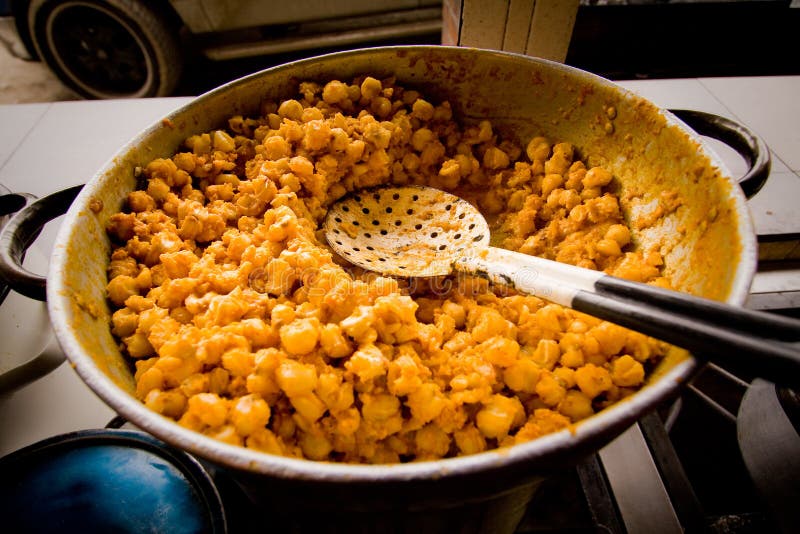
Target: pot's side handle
{"points": [[20, 232], [737, 136], [11, 203]]}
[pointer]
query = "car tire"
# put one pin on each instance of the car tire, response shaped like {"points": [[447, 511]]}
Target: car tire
{"points": [[108, 48]]}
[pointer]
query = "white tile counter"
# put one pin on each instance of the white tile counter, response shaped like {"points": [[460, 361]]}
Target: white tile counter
{"points": [[47, 147]]}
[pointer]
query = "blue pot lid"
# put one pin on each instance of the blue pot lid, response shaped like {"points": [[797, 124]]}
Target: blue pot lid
{"points": [[107, 481]]}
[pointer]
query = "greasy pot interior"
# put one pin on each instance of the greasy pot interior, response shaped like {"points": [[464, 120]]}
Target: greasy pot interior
{"points": [[675, 199]]}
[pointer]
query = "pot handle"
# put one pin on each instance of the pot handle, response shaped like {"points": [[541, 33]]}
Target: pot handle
{"points": [[737, 136], [11, 203], [21, 231]]}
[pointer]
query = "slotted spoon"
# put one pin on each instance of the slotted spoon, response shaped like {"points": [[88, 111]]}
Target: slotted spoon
{"points": [[417, 231]]}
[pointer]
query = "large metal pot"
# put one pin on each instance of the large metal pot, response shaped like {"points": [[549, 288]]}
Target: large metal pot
{"points": [[708, 245]]}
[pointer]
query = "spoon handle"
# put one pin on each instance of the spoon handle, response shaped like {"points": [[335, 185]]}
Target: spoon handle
{"points": [[759, 343]]}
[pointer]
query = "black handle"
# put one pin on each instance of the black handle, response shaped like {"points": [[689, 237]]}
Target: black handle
{"points": [[756, 323], [11, 203], [20, 232], [763, 344], [750, 146]]}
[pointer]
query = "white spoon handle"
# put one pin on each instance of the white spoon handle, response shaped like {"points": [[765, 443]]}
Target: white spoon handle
{"points": [[554, 281], [760, 343]]}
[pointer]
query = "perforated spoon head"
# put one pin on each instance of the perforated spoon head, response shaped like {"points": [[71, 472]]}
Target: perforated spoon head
{"points": [[405, 231]]}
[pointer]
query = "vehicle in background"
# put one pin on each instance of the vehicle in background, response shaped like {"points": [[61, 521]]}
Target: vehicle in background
{"points": [[139, 48]]}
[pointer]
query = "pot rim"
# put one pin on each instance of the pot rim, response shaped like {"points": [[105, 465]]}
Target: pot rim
{"points": [[603, 425]]}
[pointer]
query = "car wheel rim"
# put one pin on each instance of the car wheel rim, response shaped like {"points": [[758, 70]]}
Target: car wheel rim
{"points": [[99, 51]]}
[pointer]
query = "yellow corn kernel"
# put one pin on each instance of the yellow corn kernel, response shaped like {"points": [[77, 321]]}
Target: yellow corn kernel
{"points": [[495, 159], [194, 384], [421, 138], [431, 441], [550, 391], [239, 362], [337, 395], [367, 363], [538, 149], [168, 403], [422, 109], [226, 434], [608, 247], [309, 406], [470, 440], [300, 336], [223, 141], [290, 109], [370, 88], [295, 378], [565, 375], [499, 415], [522, 376], [124, 322], [610, 337], [264, 440], [592, 380], [490, 324], [149, 380], [210, 408], [315, 445], [576, 406], [377, 408], [627, 372], [334, 92], [547, 353], [551, 182], [138, 346], [596, 177], [381, 106], [426, 402], [572, 358], [120, 288], [619, 233], [500, 351], [333, 342]]}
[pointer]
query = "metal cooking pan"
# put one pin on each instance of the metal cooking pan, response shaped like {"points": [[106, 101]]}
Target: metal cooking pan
{"points": [[708, 245]]}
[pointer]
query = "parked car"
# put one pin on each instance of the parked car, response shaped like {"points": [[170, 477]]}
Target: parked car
{"points": [[138, 48]]}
